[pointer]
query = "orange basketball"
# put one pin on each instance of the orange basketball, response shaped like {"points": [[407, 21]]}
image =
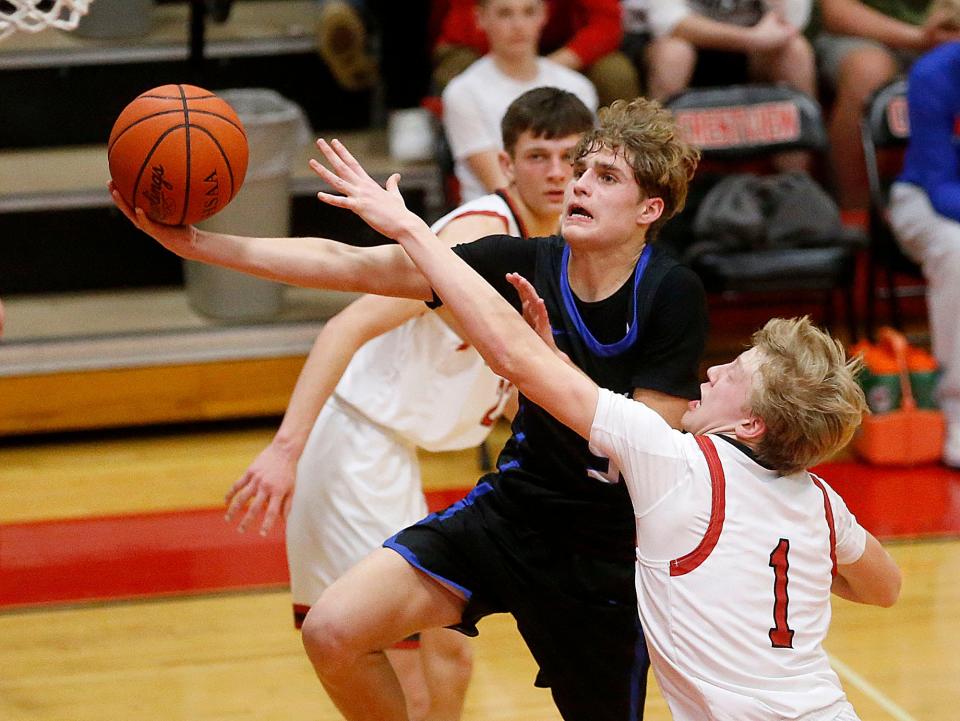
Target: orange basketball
{"points": [[179, 152]]}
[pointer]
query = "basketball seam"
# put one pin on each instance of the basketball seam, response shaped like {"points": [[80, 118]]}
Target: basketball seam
{"points": [[226, 158], [177, 110], [186, 185], [146, 162]]}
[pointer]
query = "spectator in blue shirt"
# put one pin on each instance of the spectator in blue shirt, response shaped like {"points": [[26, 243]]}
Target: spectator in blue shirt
{"points": [[925, 214]]}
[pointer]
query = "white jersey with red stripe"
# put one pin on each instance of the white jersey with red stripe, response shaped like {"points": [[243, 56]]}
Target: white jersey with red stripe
{"points": [[420, 380], [734, 569]]}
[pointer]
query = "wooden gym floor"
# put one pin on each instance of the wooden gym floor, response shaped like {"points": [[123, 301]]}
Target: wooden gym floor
{"points": [[205, 655]]}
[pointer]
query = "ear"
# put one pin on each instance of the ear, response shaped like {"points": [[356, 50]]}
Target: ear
{"points": [[506, 165], [750, 429], [649, 210]]}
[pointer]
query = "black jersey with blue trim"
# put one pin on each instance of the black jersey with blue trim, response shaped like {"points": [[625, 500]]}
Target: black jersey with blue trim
{"points": [[649, 334]]}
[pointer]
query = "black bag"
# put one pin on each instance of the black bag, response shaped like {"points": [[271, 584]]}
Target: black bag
{"points": [[745, 212]]}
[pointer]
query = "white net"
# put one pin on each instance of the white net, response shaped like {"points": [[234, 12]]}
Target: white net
{"points": [[34, 15]]}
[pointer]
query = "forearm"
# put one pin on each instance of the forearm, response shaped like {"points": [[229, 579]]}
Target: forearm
{"points": [[341, 337], [851, 17], [325, 365], [486, 167], [704, 32], [315, 263], [601, 34]]}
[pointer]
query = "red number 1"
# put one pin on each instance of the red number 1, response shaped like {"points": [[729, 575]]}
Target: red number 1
{"points": [[780, 635]]}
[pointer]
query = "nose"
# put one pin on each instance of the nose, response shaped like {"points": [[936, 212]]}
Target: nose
{"points": [[712, 373], [581, 185], [559, 168]]}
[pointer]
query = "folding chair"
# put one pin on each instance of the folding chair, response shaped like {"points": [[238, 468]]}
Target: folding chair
{"points": [[741, 128], [884, 132]]}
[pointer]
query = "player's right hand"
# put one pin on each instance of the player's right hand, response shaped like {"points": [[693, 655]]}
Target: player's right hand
{"points": [[266, 487], [180, 239]]}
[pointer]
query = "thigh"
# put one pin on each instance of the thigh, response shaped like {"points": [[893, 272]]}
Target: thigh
{"points": [[381, 601], [357, 484]]}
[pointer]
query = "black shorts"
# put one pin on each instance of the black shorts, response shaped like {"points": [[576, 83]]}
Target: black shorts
{"points": [[577, 613]]}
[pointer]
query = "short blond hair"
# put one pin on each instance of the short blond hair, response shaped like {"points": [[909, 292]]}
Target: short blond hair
{"points": [[807, 393], [663, 163]]}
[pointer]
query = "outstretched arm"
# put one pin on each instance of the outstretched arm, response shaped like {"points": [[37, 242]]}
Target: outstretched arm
{"points": [[510, 347], [308, 262], [266, 487]]}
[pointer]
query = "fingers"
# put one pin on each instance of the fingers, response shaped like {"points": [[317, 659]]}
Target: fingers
{"points": [[271, 514], [393, 183], [253, 511], [121, 203], [345, 167], [338, 201], [240, 499], [347, 157]]}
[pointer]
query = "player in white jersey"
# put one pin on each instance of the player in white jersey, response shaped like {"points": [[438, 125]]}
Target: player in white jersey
{"points": [[738, 547], [386, 377]]}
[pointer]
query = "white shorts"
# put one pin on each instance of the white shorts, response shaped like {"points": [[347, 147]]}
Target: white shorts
{"points": [[357, 485]]}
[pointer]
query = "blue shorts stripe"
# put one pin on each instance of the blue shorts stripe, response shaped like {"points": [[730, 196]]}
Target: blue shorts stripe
{"points": [[411, 558]]}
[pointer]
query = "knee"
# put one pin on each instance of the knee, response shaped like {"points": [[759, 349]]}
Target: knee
{"points": [[671, 62], [862, 73], [327, 638], [456, 653]]}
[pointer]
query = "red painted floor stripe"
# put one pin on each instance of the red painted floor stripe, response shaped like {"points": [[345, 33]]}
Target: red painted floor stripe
{"points": [[138, 555], [132, 556]]}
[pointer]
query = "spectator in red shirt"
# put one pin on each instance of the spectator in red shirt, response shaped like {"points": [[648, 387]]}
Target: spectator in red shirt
{"points": [[583, 35]]}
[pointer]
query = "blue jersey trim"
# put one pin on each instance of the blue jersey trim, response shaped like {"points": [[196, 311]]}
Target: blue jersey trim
{"points": [[411, 558], [604, 350]]}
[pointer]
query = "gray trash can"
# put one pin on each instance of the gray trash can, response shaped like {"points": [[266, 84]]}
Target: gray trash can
{"points": [[116, 19], [277, 130]]}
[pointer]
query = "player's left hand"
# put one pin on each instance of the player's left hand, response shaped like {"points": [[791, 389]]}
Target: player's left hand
{"points": [[382, 209], [180, 239], [265, 487]]}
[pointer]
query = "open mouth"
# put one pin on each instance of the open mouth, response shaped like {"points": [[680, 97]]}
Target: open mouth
{"points": [[578, 211]]}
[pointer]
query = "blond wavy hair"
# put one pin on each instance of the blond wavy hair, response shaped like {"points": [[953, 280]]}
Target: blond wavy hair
{"points": [[807, 393], [645, 132]]}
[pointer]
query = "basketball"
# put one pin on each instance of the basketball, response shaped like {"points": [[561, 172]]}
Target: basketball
{"points": [[179, 152]]}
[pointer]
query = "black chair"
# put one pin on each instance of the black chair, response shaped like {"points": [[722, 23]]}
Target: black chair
{"points": [[885, 131], [742, 128]]}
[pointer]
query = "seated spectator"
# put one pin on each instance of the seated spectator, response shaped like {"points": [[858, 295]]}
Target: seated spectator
{"points": [[474, 101], [925, 215], [864, 44], [582, 35], [764, 39], [768, 36]]}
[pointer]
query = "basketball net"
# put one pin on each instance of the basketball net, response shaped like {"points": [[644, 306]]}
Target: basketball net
{"points": [[32, 16]]}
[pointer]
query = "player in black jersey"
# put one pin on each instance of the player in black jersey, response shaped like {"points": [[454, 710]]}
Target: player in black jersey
{"points": [[539, 538]]}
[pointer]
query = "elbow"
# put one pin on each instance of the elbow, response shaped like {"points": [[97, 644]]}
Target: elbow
{"points": [[891, 592]]}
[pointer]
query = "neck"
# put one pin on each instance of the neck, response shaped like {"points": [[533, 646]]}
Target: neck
{"points": [[517, 67], [537, 226], [595, 275]]}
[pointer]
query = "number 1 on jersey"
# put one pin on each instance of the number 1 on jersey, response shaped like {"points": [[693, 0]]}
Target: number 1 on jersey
{"points": [[781, 636]]}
